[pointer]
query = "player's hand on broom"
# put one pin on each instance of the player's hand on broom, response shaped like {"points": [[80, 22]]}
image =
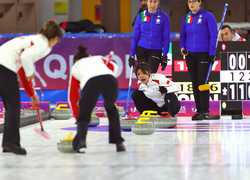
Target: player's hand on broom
{"points": [[164, 62], [212, 59], [131, 61], [34, 99], [30, 78], [184, 53], [163, 90]]}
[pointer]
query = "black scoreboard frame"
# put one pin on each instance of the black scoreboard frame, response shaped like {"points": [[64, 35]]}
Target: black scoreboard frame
{"points": [[230, 83], [234, 76]]}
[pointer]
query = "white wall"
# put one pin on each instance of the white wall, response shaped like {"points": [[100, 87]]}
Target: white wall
{"points": [[134, 8], [75, 10], [46, 11]]}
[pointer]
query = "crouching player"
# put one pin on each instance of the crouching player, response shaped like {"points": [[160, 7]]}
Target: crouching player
{"points": [[92, 76], [155, 92]]}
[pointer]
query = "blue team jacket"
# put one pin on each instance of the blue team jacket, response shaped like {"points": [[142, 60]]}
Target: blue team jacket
{"points": [[151, 31], [199, 32]]}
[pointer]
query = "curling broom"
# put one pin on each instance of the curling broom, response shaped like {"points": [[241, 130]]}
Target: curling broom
{"points": [[206, 86]]}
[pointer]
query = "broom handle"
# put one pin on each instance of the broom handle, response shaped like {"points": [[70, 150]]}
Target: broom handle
{"points": [[129, 89], [222, 21], [209, 72], [217, 40], [39, 118]]}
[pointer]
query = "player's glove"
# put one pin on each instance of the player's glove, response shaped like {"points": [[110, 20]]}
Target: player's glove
{"points": [[164, 62], [184, 53], [212, 59], [131, 61], [163, 90]]}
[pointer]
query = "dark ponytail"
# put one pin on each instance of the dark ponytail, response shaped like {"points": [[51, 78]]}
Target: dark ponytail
{"points": [[144, 67], [51, 30], [81, 53]]}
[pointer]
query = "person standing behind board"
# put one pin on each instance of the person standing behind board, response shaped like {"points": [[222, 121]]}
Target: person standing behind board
{"points": [[228, 34]]}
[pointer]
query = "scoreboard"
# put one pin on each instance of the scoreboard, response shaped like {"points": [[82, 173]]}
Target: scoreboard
{"points": [[235, 78], [229, 81]]}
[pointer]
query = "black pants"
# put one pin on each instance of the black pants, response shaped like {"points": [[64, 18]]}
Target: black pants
{"points": [[150, 56], [143, 103], [9, 91], [106, 86], [198, 64]]}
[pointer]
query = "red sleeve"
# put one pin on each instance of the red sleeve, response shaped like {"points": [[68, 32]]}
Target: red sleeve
{"points": [[28, 87], [166, 83], [109, 63], [111, 66], [157, 81], [74, 95]]}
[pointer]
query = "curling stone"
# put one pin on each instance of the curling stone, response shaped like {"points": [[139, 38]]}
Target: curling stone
{"points": [[148, 116], [94, 120], [121, 111], [164, 122], [100, 112], [143, 128], [28, 112], [62, 112], [22, 113], [149, 113], [65, 145], [127, 123]]}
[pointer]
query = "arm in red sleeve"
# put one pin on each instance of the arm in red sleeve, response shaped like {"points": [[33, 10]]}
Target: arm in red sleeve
{"points": [[110, 63], [112, 66], [28, 87], [74, 95]]}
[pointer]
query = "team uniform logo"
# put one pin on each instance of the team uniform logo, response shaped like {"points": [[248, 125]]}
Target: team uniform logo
{"points": [[144, 17], [189, 19], [158, 20], [200, 19]]}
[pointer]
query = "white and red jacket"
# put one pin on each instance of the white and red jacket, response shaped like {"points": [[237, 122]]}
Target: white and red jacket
{"points": [[20, 54], [152, 88], [237, 37], [82, 71]]}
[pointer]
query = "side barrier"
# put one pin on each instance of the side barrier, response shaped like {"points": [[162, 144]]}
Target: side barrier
{"points": [[28, 116], [53, 71]]}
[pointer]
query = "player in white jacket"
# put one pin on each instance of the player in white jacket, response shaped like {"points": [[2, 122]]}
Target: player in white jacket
{"points": [[155, 92], [92, 76], [17, 58]]}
